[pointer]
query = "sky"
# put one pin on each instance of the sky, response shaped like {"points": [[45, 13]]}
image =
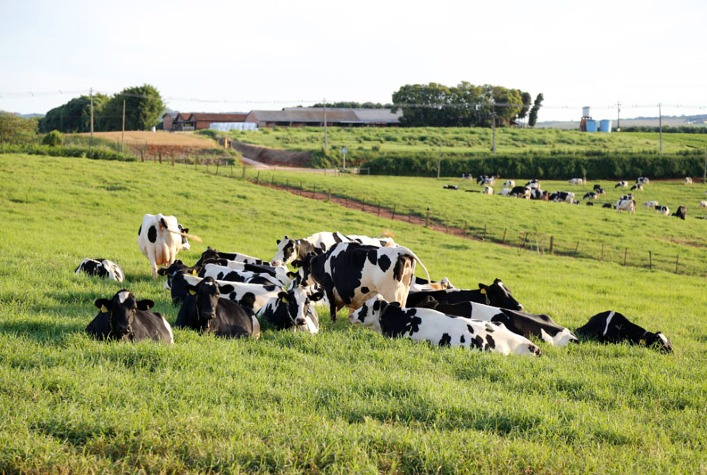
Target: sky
{"points": [[621, 58]]}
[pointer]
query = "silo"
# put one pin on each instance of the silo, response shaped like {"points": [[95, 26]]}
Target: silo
{"points": [[605, 125], [585, 111]]}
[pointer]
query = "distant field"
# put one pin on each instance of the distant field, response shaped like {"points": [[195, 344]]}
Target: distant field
{"points": [[175, 139]]}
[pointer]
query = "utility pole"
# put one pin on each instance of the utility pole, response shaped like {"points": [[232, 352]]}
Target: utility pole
{"points": [[122, 135], [660, 127], [618, 116], [326, 141]]}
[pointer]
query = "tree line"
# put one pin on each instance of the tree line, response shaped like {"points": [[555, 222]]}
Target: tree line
{"points": [[466, 105], [142, 105]]}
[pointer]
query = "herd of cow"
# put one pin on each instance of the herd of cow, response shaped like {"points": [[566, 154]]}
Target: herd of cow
{"points": [[231, 295], [531, 190]]}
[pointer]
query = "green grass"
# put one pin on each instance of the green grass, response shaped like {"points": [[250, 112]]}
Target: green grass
{"points": [[343, 401]]}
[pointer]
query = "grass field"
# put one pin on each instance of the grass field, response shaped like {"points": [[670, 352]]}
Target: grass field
{"points": [[343, 401]]}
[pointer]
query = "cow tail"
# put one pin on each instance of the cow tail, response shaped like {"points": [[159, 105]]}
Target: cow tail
{"points": [[417, 259]]}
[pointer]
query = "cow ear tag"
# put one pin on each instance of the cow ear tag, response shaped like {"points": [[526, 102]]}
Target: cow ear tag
{"points": [[104, 309], [193, 272], [192, 292], [483, 291]]}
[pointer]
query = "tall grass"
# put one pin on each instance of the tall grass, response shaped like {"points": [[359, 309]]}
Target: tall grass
{"points": [[346, 400]]}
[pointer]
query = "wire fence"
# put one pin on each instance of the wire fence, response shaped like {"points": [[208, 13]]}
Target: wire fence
{"points": [[531, 241]]}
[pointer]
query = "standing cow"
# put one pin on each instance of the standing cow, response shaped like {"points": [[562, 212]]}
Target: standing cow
{"points": [[294, 250], [160, 238]]}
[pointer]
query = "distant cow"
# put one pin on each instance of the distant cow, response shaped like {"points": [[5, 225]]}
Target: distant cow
{"points": [[533, 184], [621, 184], [160, 238], [294, 250], [496, 295], [520, 192], [509, 183], [637, 186], [451, 187], [125, 318], [576, 181], [642, 180], [590, 195], [562, 196], [651, 204], [536, 194], [486, 180], [703, 203], [205, 310], [525, 324], [664, 210], [613, 327], [626, 205], [487, 190], [292, 309], [599, 190], [688, 180], [350, 273], [101, 268], [681, 212], [424, 324]]}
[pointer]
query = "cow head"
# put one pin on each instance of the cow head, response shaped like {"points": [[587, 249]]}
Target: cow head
{"points": [[286, 252], [122, 309], [498, 295], [185, 242], [369, 314], [659, 341], [207, 294], [294, 309]]}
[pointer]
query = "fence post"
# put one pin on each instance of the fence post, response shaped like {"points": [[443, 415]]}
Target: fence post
{"points": [[378, 204], [650, 260], [243, 174], [483, 237], [602, 251], [576, 249], [503, 239], [427, 218], [393, 217], [329, 194], [677, 260], [625, 255], [552, 244]]}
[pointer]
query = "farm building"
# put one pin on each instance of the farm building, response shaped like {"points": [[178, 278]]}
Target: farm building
{"points": [[201, 120], [310, 116]]}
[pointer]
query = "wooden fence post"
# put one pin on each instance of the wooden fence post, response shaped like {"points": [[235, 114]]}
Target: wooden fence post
{"points": [[483, 237], [329, 194], [552, 244], [257, 178], [503, 239], [393, 217], [576, 249], [650, 260], [677, 260], [625, 255]]}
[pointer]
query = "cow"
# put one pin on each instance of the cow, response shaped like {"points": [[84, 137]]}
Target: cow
{"points": [[625, 205], [101, 268], [486, 180], [123, 317], [505, 191], [350, 273], [599, 190], [205, 310], [496, 295], [235, 275], [160, 238], [664, 210], [525, 324], [607, 205], [420, 285], [576, 181], [613, 327], [437, 328], [637, 186], [703, 203], [253, 295], [487, 190], [560, 196], [536, 194], [292, 309], [681, 212], [590, 203], [642, 180], [590, 195], [215, 256], [451, 187], [621, 184], [294, 250], [509, 183], [651, 204], [533, 184], [687, 180], [520, 192]]}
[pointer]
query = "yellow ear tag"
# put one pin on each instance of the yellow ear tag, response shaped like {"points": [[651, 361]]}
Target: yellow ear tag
{"points": [[193, 272], [192, 292], [284, 299], [104, 309], [483, 291]]}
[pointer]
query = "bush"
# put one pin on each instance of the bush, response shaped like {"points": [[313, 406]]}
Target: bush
{"points": [[53, 139]]}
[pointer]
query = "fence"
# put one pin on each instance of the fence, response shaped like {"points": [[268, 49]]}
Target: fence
{"points": [[532, 241]]}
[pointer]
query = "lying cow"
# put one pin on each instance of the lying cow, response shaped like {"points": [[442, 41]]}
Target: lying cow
{"points": [[205, 310], [562, 196], [613, 327], [235, 275], [293, 251], [421, 285], [214, 256], [292, 309], [626, 205], [101, 268], [160, 238], [350, 273], [621, 184], [662, 209], [576, 181], [125, 318], [681, 212], [524, 324], [246, 294], [424, 324], [495, 295]]}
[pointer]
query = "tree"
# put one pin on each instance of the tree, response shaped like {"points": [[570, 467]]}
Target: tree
{"points": [[527, 101], [15, 129], [533, 117], [74, 116], [143, 109], [53, 139]]}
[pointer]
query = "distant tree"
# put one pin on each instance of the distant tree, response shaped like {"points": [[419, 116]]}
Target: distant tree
{"points": [[15, 129], [53, 139], [74, 116], [533, 117], [143, 109], [353, 105], [527, 102]]}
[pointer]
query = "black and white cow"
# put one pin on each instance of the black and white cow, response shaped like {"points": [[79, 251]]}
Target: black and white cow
{"points": [[621, 184], [160, 238], [424, 324], [599, 190], [614, 327], [562, 196], [533, 184], [509, 183], [539, 195], [451, 187], [246, 294], [235, 275], [637, 187], [626, 205], [664, 210], [590, 195], [350, 273], [496, 295], [215, 256], [576, 181], [520, 192], [486, 180], [205, 310], [681, 212], [642, 180], [101, 268], [292, 309], [123, 317], [293, 251], [526, 324]]}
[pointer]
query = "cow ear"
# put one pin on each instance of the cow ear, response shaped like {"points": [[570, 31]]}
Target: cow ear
{"points": [[145, 304], [483, 289], [277, 241], [247, 301], [103, 305], [185, 230], [282, 296]]}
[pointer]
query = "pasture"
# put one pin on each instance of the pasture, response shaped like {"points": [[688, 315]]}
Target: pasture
{"points": [[346, 400]]}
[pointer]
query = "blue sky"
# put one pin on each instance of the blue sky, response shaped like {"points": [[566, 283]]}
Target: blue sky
{"points": [[223, 55]]}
